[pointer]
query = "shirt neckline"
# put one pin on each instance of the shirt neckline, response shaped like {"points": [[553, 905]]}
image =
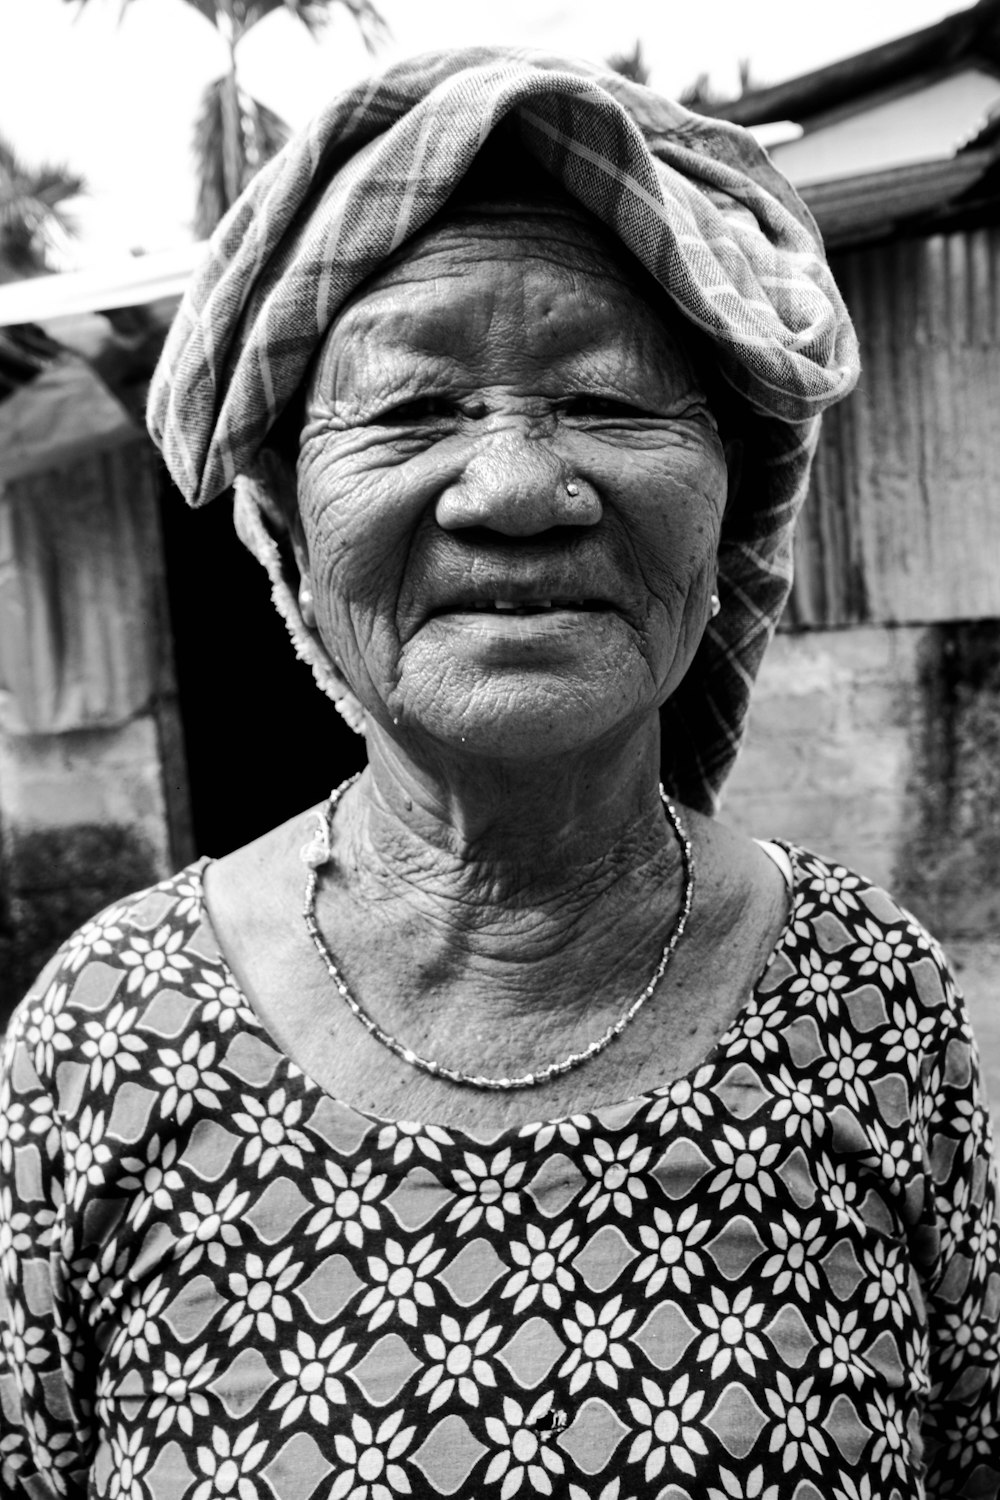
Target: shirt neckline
{"points": [[601, 1115]]}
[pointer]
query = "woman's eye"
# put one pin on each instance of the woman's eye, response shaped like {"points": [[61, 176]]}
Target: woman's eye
{"points": [[604, 406], [421, 409]]}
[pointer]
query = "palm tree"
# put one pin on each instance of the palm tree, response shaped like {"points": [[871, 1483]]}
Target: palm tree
{"points": [[32, 217], [632, 64], [234, 133]]}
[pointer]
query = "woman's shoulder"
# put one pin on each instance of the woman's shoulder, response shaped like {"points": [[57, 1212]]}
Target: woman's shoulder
{"points": [[848, 936], [144, 953], [846, 925]]}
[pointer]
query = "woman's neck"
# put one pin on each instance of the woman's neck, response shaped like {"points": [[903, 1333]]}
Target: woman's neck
{"points": [[490, 851]]}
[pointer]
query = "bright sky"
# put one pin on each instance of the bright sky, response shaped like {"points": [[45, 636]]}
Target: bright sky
{"points": [[116, 98]]}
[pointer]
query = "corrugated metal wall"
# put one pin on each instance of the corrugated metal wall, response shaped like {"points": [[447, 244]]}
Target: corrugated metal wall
{"points": [[903, 524]]}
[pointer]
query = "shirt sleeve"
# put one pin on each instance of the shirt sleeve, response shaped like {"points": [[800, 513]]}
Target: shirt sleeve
{"points": [[46, 1434], [962, 1423]]}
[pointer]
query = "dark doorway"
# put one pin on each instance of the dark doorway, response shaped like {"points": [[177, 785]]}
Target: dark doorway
{"points": [[262, 742]]}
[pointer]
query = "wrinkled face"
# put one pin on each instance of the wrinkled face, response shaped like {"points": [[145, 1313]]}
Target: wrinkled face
{"points": [[510, 488]]}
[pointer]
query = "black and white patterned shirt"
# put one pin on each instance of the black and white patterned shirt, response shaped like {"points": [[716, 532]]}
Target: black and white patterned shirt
{"points": [[775, 1278]]}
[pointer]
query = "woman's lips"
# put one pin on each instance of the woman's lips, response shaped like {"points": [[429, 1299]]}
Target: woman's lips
{"points": [[520, 606]]}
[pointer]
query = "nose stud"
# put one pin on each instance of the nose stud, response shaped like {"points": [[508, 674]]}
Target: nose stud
{"points": [[571, 488]]}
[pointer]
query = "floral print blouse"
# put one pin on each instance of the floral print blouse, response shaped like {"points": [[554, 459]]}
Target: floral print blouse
{"points": [[775, 1278]]}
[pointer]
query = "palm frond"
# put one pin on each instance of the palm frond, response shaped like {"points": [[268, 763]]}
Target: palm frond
{"points": [[33, 220], [208, 8], [315, 15], [234, 136]]}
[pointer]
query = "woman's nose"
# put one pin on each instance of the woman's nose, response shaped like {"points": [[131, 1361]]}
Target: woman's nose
{"points": [[516, 484]]}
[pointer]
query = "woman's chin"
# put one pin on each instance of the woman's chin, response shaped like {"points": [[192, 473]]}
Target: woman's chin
{"points": [[527, 720]]}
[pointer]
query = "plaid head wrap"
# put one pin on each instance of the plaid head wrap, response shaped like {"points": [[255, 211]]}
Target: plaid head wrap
{"points": [[696, 201]]}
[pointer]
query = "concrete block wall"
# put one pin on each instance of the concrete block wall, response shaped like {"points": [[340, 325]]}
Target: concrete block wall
{"points": [[829, 748], [880, 746]]}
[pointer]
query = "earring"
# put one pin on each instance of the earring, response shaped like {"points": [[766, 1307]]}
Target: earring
{"points": [[714, 605], [306, 608]]}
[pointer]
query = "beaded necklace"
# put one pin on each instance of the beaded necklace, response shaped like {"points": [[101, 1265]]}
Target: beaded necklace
{"points": [[317, 853]]}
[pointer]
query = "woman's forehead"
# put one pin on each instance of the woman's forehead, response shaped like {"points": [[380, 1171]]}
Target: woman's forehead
{"points": [[563, 235], [547, 273]]}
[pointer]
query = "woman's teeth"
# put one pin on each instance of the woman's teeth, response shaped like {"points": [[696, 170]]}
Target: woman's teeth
{"points": [[526, 607]]}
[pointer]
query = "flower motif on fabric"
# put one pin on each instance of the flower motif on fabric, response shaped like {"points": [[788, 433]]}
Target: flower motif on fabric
{"points": [[730, 1335], [818, 984], [570, 1131], [685, 1099], [757, 1030], [802, 1111], [850, 1064], [971, 1439], [859, 1488], [796, 1435], [619, 1177], [798, 1246], [349, 1204], [47, 1034], [459, 1360], [543, 1269], [486, 1190], [885, 1291], [154, 962], [313, 1371], [525, 1458], [745, 1160], [15, 1237], [86, 1155], [888, 1156], [271, 1125], [186, 1076], [596, 1347], [140, 1332], [128, 1460], [369, 1457], [97, 938], [907, 1035], [401, 1282], [208, 1223], [839, 1186], [835, 886], [260, 1302], [177, 1389], [25, 1345], [225, 1005], [882, 952], [12, 1130], [407, 1136], [671, 1243], [840, 1351], [229, 1464], [153, 1182], [891, 1446], [744, 1486], [665, 1418], [111, 1046], [187, 895]]}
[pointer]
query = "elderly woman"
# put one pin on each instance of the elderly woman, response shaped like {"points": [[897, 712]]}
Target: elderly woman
{"points": [[517, 367]]}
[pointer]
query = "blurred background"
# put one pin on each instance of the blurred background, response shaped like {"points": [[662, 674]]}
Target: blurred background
{"points": [[150, 707]]}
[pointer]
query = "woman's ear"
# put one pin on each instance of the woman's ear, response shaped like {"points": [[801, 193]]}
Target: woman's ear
{"points": [[276, 477]]}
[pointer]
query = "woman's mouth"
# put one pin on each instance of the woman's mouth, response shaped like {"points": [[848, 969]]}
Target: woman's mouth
{"points": [[522, 606]]}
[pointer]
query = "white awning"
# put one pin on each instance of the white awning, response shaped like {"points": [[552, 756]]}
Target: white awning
{"points": [[130, 282]]}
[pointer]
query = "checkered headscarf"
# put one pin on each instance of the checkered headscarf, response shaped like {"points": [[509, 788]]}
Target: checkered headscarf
{"points": [[696, 201]]}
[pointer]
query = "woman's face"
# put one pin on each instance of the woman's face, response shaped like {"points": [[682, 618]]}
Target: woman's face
{"points": [[511, 488]]}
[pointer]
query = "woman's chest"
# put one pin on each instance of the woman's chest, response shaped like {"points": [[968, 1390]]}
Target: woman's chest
{"points": [[682, 1287]]}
